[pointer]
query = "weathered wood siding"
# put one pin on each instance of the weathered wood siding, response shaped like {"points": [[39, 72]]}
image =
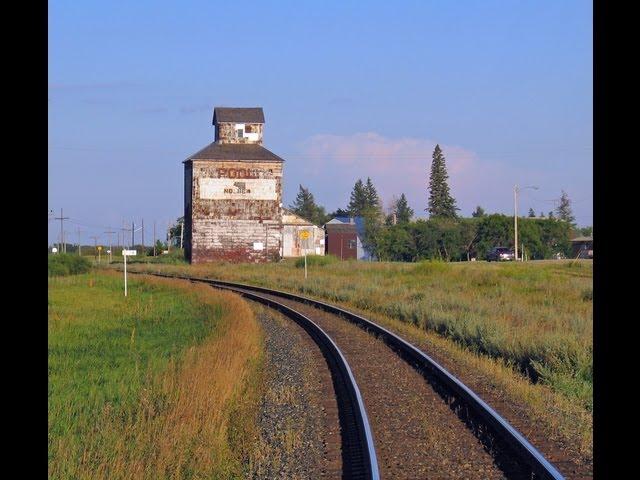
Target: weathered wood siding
{"points": [[226, 133], [241, 221]]}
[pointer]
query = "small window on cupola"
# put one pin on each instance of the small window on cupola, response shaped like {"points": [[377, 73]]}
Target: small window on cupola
{"points": [[240, 133]]}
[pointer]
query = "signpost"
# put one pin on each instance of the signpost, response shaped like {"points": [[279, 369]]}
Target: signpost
{"points": [[125, 254], [304, 236]]}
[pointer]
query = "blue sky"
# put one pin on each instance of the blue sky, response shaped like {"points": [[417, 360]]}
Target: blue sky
{"points": [[349, 90]]}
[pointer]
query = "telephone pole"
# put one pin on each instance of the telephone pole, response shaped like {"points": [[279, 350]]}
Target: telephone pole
{"points": [[143, 236], [63, 246], [516, 190], [133, 235], [110, 252], [124, 229], [181, 232], [515, 218], [95, 245], [79, 243], [154, 238]]}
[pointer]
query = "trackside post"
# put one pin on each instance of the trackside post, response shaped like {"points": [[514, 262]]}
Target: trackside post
{"points": [[125, 254], [304, 236]]}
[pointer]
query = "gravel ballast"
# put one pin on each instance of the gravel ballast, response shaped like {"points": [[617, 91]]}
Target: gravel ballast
{"points": [[299, 433]]}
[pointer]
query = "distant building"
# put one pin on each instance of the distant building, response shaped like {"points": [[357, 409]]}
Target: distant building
{"points": [[233, 193], [582, 247], [344, 238], [292, 243]]}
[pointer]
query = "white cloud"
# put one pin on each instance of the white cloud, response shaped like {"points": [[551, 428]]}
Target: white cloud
{"points": [[395, 165]]}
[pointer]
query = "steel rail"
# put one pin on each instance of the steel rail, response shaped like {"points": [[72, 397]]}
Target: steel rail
{"points": [[362, 461], [525, 450], [498, 424]]}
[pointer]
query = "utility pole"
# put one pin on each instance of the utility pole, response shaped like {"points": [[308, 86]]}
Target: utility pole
{"points": [[95, 246], [110, 232], [181, 232], [124, 229], [154, 238], [79, 244], [143, 236], [515, 218], [168, 237], [62, 218], [133, 235], [516, 190]]}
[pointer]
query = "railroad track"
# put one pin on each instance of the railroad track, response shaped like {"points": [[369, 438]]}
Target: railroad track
{"points": [[471, 439]]}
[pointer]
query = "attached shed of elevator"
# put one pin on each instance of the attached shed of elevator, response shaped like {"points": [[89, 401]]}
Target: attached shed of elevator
{"points": [[292, 243]]}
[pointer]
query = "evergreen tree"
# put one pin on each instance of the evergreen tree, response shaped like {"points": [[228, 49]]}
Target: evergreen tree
{"points": [[586, 231], [373, 200], [402, 210], [359, 200], [306, 207], [304, 204], [532, 214], [441, 203], [340, 212], [478, 212], [564, 209]]}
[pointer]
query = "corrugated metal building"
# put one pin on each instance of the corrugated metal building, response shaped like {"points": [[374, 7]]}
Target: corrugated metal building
{"points": [[344, 238], [582, 247], [233, 193], [292, 244]]}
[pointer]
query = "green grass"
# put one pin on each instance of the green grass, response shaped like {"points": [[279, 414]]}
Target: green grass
{"points": [[63, 264], [175, 257], [536, 316], [524, 327], [121, 368], [316, 261]]}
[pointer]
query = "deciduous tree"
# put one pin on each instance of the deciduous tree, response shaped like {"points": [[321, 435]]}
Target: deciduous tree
{"points": [[478, 212]]}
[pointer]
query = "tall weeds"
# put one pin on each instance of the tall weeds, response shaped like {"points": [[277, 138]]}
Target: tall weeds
{"points": [[536, 316], [173, 391]]}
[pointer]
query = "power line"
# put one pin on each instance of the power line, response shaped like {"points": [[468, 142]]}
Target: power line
{"points": [[95, 245], [79, 243], [110, 232], [63, 246]]}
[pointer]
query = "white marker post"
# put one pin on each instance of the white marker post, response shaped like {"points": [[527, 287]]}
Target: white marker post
{"points": [[125, 254], [304, 236]]}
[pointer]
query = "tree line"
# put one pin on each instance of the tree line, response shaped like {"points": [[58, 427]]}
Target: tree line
{"points": [[396, 236]]}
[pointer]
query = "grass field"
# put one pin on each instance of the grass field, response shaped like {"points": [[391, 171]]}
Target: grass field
{"points": [[535, 317], [162, 384]]}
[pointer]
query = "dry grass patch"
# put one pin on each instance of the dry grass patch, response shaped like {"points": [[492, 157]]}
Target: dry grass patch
{"points": [[527, 328], [183, 398]]}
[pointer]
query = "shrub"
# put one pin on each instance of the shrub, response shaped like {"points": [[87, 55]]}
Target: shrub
{"points": [[428, 267], [175, 257], [65, 264], [316, 261]]}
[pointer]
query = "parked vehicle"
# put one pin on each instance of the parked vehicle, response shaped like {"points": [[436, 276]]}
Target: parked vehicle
{"points": [[500, 254]]}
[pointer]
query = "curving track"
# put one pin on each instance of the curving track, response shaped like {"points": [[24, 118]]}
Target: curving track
{"points": [[433, 429]]}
